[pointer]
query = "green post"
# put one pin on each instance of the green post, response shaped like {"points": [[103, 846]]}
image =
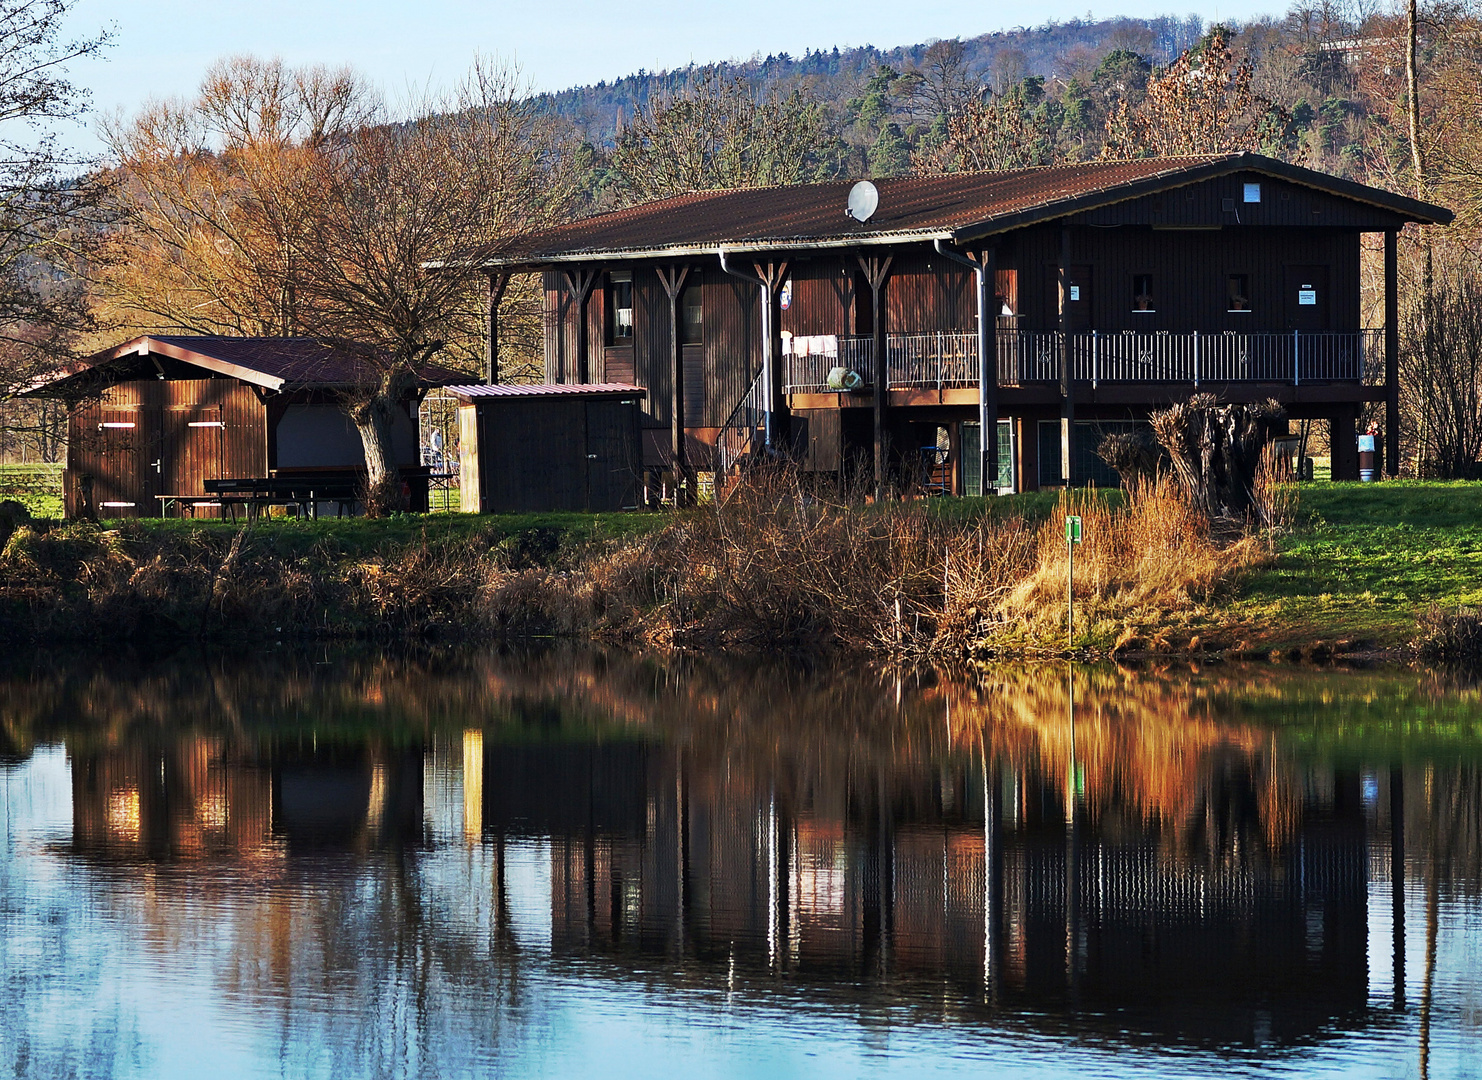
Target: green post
{"points": [[1072, 538]]}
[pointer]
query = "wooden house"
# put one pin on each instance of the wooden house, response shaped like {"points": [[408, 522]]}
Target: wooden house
{"points": [[530, 448], [1045, 305], [154, 419]]}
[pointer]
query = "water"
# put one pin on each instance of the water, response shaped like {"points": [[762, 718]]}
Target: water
{"points": [[578, 865]]}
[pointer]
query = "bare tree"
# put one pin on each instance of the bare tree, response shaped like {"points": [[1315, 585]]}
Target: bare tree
{"points": [[48, 197], [987, 135], [1202, 103], [291, 201], [1441, 376], [717, 133]]}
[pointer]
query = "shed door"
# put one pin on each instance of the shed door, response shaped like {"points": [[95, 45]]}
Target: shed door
{"points": [[192, 449], [120, 489], [612, 468], [1306, 298]]}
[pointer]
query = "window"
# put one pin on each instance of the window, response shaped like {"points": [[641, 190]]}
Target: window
{"points": [[620, 307], [1142, 292], [1252, 193], [1237, 292], [691, 313]]}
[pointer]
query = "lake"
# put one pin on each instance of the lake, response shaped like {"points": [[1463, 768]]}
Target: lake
{"points": [[580, 864]]}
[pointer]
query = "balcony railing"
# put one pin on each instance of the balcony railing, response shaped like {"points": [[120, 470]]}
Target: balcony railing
{"points": [[945, 361]]}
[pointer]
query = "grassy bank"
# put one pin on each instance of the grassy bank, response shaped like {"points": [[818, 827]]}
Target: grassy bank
{"points": [[776, 571], [1362, 563]]}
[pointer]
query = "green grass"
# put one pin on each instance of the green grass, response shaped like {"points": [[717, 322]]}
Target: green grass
{"points": [[1364, 561], [362, 536], [37, 487]]}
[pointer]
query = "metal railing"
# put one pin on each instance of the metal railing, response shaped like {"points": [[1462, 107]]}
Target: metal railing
{"points": [[950, 360], [737, 439]]}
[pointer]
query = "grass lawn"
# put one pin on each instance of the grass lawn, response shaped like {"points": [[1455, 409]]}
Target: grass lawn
{"points": [[37, 487], [1364, 560]]}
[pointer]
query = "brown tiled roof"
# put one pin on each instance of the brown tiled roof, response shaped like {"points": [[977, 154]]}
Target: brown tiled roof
{"points": [[546, 390], [956, 207], [274, 363]]}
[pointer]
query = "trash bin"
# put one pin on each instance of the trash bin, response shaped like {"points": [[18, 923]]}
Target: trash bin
{"points": [[1368, 459]]}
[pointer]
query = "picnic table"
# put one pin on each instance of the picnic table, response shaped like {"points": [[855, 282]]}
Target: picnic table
{"points": [[304, 490]]}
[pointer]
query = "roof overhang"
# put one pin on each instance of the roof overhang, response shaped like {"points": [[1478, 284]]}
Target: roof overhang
{"points": [[1172, 178], [544, 391]]}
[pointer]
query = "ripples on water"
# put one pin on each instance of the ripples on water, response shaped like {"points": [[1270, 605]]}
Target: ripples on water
{"points": [[575, 865]]}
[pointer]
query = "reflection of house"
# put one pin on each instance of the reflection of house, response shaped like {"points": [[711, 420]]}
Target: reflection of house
{"points": [[191, 799], [160, 416], [937, 881]]}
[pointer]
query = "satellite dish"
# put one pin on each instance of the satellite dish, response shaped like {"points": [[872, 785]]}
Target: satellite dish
{"points": [[864, 197]]}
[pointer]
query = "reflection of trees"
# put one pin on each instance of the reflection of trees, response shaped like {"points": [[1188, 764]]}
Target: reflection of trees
{"points": [[1032, 838]]}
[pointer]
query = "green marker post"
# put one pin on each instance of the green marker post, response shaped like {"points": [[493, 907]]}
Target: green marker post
{"points": [[1072, 538]]}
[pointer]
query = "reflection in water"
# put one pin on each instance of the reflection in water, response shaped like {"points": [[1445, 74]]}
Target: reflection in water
{"points": [[389, 868]]}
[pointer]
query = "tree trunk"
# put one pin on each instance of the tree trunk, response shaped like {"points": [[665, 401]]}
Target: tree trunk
{"points": [[372, 416]]}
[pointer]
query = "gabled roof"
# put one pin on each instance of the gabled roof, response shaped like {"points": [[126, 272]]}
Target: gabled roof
{"points": [[957, 207], [272, 363]]}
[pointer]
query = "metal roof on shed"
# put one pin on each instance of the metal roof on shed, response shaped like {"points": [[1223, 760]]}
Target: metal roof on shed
{"points": [[958, 207], [546, 390]]}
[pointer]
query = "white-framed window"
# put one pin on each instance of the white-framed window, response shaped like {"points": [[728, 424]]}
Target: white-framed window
{"points": [[1252, 193]]}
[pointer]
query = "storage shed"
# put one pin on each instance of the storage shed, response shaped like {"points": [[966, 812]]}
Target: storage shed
{"points": [[153, 421], [549, 447]]}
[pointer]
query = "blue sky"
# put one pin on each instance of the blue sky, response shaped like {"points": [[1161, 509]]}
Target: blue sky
{"points": [[164, 45]]}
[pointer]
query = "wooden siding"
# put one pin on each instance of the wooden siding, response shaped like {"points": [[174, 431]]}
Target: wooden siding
{"points": [[927, 293], [652, 356], [733, 348], [1282, 204], [824, 297], [162, 454], [1190, 272]]}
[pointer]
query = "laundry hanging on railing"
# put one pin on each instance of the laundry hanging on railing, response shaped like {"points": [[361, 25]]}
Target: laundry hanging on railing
{"points": [[805, 345]]}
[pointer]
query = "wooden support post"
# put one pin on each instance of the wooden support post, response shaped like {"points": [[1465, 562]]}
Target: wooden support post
{"points": [[876, 270], [497, 283], [771, 276], [580, 283], [984, 269], [1067, 376], [1391, 355], [673, 278]]}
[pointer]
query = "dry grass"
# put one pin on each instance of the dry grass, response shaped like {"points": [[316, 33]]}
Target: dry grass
{"points": [[775, 569]]}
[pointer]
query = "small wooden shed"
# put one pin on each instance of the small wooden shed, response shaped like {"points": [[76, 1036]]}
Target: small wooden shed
{"points": [[153, 420], [549, 447]]}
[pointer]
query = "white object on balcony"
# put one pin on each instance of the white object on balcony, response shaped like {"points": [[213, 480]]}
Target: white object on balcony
{"points": [[841, 378]]}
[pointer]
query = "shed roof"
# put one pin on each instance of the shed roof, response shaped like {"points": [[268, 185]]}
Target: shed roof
{"points": [[528, 391], [272, 363], [957, 207]]}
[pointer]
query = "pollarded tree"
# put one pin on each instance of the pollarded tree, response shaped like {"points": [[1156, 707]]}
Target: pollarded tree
{"points": [[718, 133]]}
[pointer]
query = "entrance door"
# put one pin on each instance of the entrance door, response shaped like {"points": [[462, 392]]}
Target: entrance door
{"points": [[1305, 297], [1077, 298], [191, 454], [121, 489]]}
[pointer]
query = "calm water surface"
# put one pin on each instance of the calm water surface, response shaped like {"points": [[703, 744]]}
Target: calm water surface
{"points": [[577, 865]]}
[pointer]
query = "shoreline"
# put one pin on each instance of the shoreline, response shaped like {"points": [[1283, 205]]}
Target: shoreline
{"points": [[1348, 582]]}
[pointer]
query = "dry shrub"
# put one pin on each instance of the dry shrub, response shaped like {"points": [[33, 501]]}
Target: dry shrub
{"points": [[1143, 569], [1450, 637]]}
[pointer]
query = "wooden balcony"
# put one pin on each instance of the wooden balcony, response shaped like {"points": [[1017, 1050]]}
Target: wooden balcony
{"points": [[948, 361]]}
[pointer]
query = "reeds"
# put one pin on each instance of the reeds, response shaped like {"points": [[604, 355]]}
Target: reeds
{"points": [[776, 568]]}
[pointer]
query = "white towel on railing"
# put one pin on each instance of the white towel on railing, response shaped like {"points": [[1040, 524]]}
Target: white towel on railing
{"points": [[786, 336], [801, 346], [829, 345]]}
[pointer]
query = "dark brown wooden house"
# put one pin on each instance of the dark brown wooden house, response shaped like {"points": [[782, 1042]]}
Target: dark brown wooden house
{"points": [[1046, 305], [152, 420], [532, 448]]}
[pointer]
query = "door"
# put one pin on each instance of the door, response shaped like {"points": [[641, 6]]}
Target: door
{"points": [[120, 488], [1305, 297], [191, 451], [612, 468], [1077, 298]]}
